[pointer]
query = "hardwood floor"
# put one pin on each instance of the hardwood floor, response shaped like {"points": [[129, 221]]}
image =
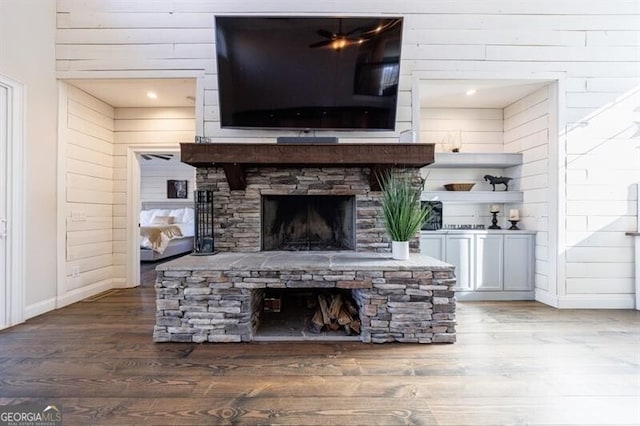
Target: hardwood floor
{"points": [[514, 363]]}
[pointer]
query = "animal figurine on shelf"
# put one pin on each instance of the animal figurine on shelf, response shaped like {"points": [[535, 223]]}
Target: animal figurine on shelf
{"points": [[496, 180]]}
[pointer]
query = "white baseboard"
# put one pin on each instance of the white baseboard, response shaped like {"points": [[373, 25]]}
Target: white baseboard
{"points": [[493, 296], [122, 283], [547, 298], [39, 308], [587, 301], [597, 301], [78, 294], [72, 296]]}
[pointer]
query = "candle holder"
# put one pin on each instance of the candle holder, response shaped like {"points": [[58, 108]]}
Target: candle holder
{"points": [[514, 225], [494, 221]]}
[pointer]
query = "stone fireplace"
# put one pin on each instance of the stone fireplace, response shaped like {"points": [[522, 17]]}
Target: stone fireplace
{"points": [[302, 217], [220, 298], [336, 203]]}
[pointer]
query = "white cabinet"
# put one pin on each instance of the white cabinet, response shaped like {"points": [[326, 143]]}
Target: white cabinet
{"points": [[432, 244], [518, 262], [490, 265], [459, 251], [489, 262]]}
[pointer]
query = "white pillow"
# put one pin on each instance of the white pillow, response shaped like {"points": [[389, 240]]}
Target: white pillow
{"points": [[163, 220], [189, 215], [159, 212], [178, 214], [145, 217]]}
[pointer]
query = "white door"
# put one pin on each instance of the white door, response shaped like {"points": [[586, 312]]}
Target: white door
{"points": [[4, 291], [11, 202]]}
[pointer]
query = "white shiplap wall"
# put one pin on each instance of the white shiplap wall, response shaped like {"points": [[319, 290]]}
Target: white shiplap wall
{"points": [[526, 130], [155, 128], [480, 130], [603, 166], [592, 43], [154, 174], [88, 136]]}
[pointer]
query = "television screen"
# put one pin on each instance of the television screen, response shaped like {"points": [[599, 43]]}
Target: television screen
{"points": [[308, 72]]}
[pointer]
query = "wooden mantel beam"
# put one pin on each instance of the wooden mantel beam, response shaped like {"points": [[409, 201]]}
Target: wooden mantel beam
{"points": [[235, 157]]}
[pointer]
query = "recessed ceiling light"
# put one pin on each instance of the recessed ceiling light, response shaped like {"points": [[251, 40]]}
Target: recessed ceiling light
{"points": [[470, 92], [152, 95]]}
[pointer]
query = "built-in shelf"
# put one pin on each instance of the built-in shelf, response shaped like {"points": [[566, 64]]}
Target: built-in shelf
{"points": [[471, 160], [497, 197], [485, 231], [456, 160]]}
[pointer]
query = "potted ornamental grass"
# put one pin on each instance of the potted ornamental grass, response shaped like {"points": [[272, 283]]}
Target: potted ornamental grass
{"points": [[402, 212]]}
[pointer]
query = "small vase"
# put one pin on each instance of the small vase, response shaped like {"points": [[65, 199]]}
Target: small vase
{"points": [[400, 250]]}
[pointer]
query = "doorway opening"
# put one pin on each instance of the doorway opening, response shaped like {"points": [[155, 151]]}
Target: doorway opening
{"points": [[165, 192]]}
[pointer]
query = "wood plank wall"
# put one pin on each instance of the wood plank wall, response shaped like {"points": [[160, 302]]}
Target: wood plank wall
{"points": [[603, 163], [480, 130], [593, 44], [157, 128], [526, 130], [154, 175], [88, 137]]}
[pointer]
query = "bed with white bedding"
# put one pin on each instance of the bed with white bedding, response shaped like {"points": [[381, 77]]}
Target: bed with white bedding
{"points": [[165, 232]]}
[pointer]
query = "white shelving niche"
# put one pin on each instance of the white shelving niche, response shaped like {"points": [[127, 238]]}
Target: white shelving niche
{"points": [[502, 130], [490, 264], [489, 163]]}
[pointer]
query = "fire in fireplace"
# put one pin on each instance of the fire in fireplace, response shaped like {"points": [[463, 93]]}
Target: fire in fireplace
{"points": [[308, 222]]}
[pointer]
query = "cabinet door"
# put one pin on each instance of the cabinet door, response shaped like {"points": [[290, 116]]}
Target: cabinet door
{"points": [[489, 261], [459, 250], [518, 262], [432, 245]]}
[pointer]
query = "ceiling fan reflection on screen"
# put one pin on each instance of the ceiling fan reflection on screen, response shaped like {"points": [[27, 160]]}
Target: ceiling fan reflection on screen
{"points": [[358, 35], [165, 157]]}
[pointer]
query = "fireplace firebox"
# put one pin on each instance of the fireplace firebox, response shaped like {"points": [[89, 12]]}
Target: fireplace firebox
{"points": [[308, 222]]}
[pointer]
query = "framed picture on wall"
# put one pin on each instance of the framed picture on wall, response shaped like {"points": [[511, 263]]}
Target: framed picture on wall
{"points": [[177, 189]]}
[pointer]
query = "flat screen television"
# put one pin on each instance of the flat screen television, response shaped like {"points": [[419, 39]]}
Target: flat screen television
{"points": [[308, 73]]}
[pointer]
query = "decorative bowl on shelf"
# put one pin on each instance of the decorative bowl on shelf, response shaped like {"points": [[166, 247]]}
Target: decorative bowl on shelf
{"points": [[459, 186]]}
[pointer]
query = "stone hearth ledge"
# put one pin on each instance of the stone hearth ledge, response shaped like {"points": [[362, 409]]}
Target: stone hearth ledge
{"points": [[218, 298]]}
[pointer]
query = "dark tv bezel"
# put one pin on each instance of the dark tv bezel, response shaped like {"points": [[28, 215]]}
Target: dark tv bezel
{"points": [[303, 128]]}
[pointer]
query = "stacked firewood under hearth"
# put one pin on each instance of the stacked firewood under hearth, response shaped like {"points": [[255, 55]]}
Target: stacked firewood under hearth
{"points": [[335, 311]]}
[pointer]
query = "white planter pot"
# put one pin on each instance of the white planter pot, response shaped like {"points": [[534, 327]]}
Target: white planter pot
{"points": [[400, 250]]}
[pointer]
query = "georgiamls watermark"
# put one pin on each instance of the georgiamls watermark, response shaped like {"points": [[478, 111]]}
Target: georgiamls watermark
{"points": [[31, 415]]}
